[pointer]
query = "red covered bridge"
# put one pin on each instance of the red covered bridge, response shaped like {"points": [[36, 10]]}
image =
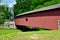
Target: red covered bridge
{"points": [[46, 17]]}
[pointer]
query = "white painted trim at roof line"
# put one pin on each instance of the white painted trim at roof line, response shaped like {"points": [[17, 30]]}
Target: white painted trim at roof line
{"points": [[41, 9]]}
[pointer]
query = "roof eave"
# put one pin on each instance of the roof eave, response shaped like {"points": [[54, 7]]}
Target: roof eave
{"points": [[41, 9]]}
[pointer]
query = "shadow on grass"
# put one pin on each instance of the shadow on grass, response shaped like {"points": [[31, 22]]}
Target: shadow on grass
{"points": [[25, 29]]}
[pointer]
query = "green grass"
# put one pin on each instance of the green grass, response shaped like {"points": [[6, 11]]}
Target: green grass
{"points": [[3, 25], [31, 35], [4, 32]]}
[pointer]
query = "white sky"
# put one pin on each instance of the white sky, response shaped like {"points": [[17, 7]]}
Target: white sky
{"points": [[8, 2]]}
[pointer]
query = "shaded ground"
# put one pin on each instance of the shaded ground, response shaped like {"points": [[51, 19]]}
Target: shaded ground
{"points": [[29, 28], [33, 35]]}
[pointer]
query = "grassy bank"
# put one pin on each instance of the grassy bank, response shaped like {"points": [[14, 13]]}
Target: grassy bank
{"points": [[3, 26], [32, 35], [7, 32]]}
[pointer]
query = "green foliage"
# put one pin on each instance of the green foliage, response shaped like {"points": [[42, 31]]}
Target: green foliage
{"points": [[7, 14], [48, 3], [39, 6], [1, 14], [39, 2], [1, 18], [27, 5], [4, 14], [56, 1], [22, 6], [32, 7], [2, 7], [51, 2]]}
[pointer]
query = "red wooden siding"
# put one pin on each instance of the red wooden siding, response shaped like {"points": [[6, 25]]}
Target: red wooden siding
{"points": [[47, 19]]}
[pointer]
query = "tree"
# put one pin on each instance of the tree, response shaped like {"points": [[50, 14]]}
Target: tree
{"points": [[4, 14], [1, 18], [1, 14], [27, 5], [22, 6]]}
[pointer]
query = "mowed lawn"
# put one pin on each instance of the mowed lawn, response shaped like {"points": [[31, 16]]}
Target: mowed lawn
{"points": [[31, 35]]}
